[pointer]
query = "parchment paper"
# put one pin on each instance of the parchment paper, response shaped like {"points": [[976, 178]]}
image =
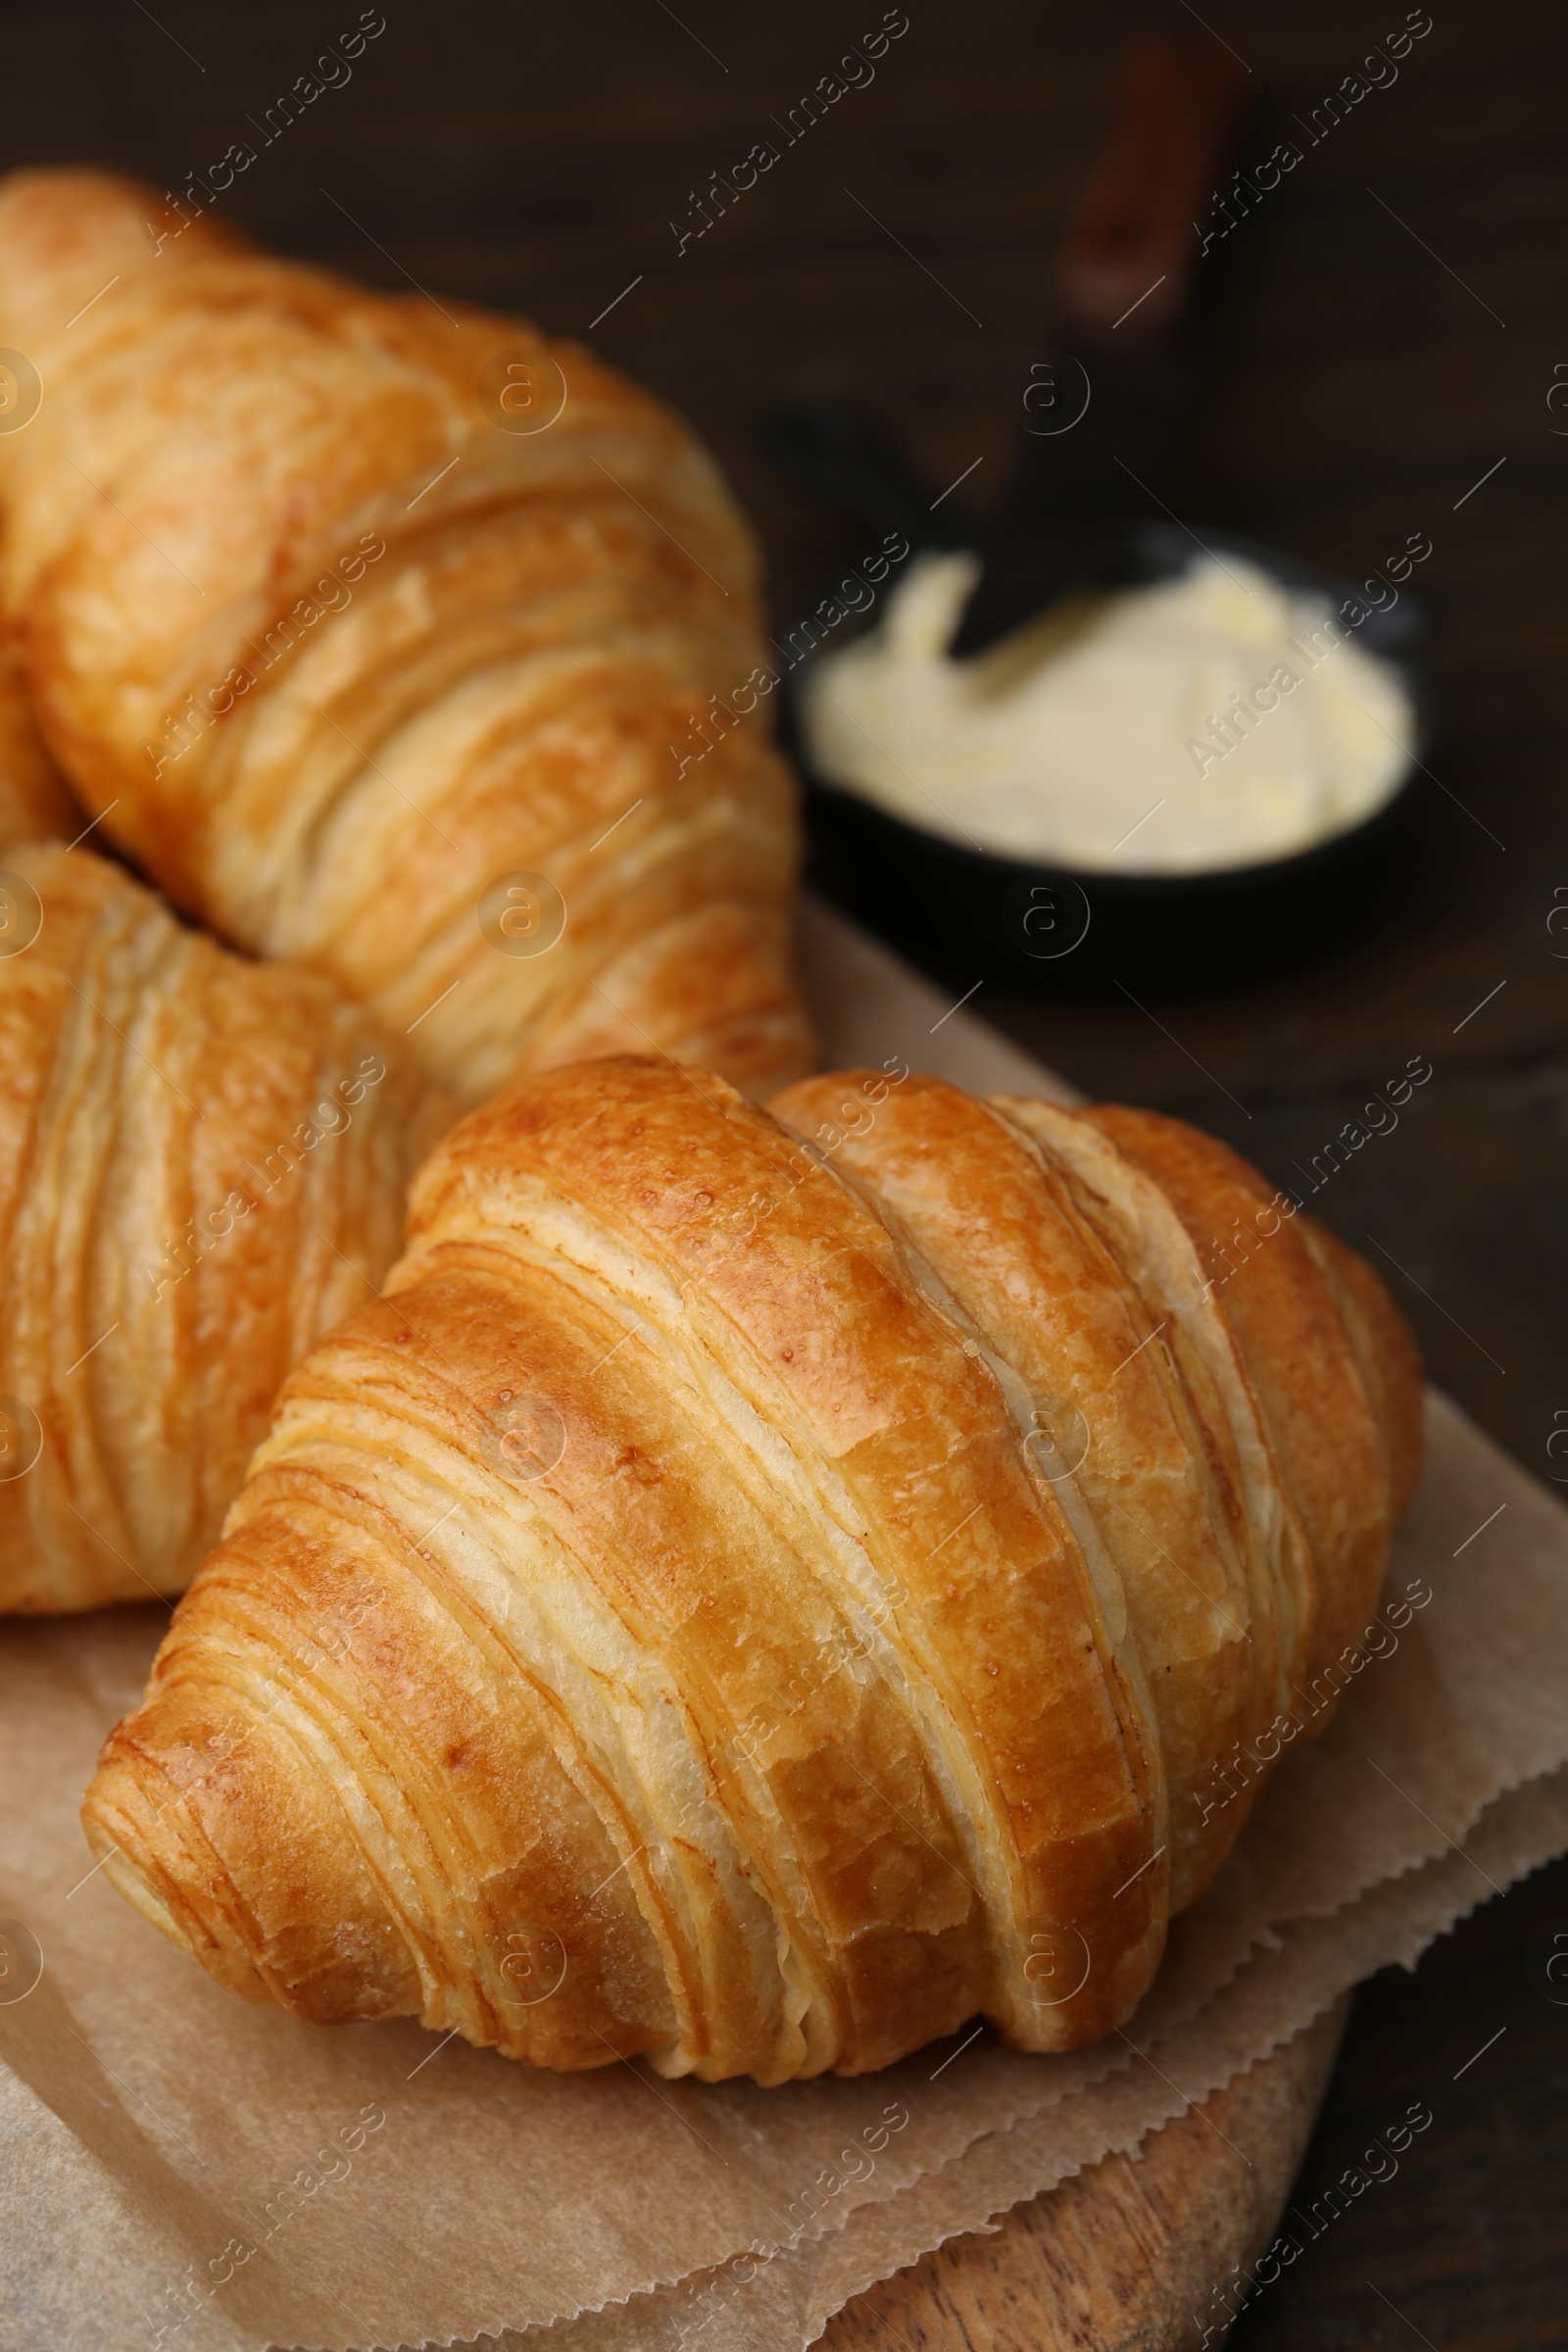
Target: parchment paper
{"points": [[180, 2161], [751, 2306]]}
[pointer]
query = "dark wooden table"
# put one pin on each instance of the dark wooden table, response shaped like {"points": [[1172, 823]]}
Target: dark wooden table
{"points": [[1379, 336]]}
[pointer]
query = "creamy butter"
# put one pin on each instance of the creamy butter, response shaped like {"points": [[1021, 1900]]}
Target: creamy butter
{"points": [[1215, 719]]}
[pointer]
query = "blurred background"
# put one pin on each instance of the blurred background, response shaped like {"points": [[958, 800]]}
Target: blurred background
{"points": [[1380, 345]]}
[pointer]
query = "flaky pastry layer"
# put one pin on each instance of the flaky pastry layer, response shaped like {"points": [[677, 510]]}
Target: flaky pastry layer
{"points": [[761, 1590], [203, 1164], [347, 612]]}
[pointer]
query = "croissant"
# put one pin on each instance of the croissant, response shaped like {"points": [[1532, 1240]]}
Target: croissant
{"points": [[395, 641], [758, 1597], [35, 803], [202, 1167]]}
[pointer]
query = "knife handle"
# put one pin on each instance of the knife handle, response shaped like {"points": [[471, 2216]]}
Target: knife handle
{"points": [[1129, 250]]}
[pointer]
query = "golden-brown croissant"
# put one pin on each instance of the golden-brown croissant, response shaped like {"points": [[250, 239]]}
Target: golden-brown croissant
{"points": [[35, 803], [400, 643], [759, 1603], [202, 1166]]}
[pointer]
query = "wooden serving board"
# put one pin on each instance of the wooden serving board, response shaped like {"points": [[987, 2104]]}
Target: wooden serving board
{"points": [[1125, 2256]]}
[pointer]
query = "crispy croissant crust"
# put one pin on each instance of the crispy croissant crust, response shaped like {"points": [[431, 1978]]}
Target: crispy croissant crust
{"points": [[684, 1617], [202, 1167], [333, 653], [35, 803]]}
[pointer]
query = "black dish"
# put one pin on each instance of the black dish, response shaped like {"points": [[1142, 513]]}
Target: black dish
{"points": [[1051, 929]]}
